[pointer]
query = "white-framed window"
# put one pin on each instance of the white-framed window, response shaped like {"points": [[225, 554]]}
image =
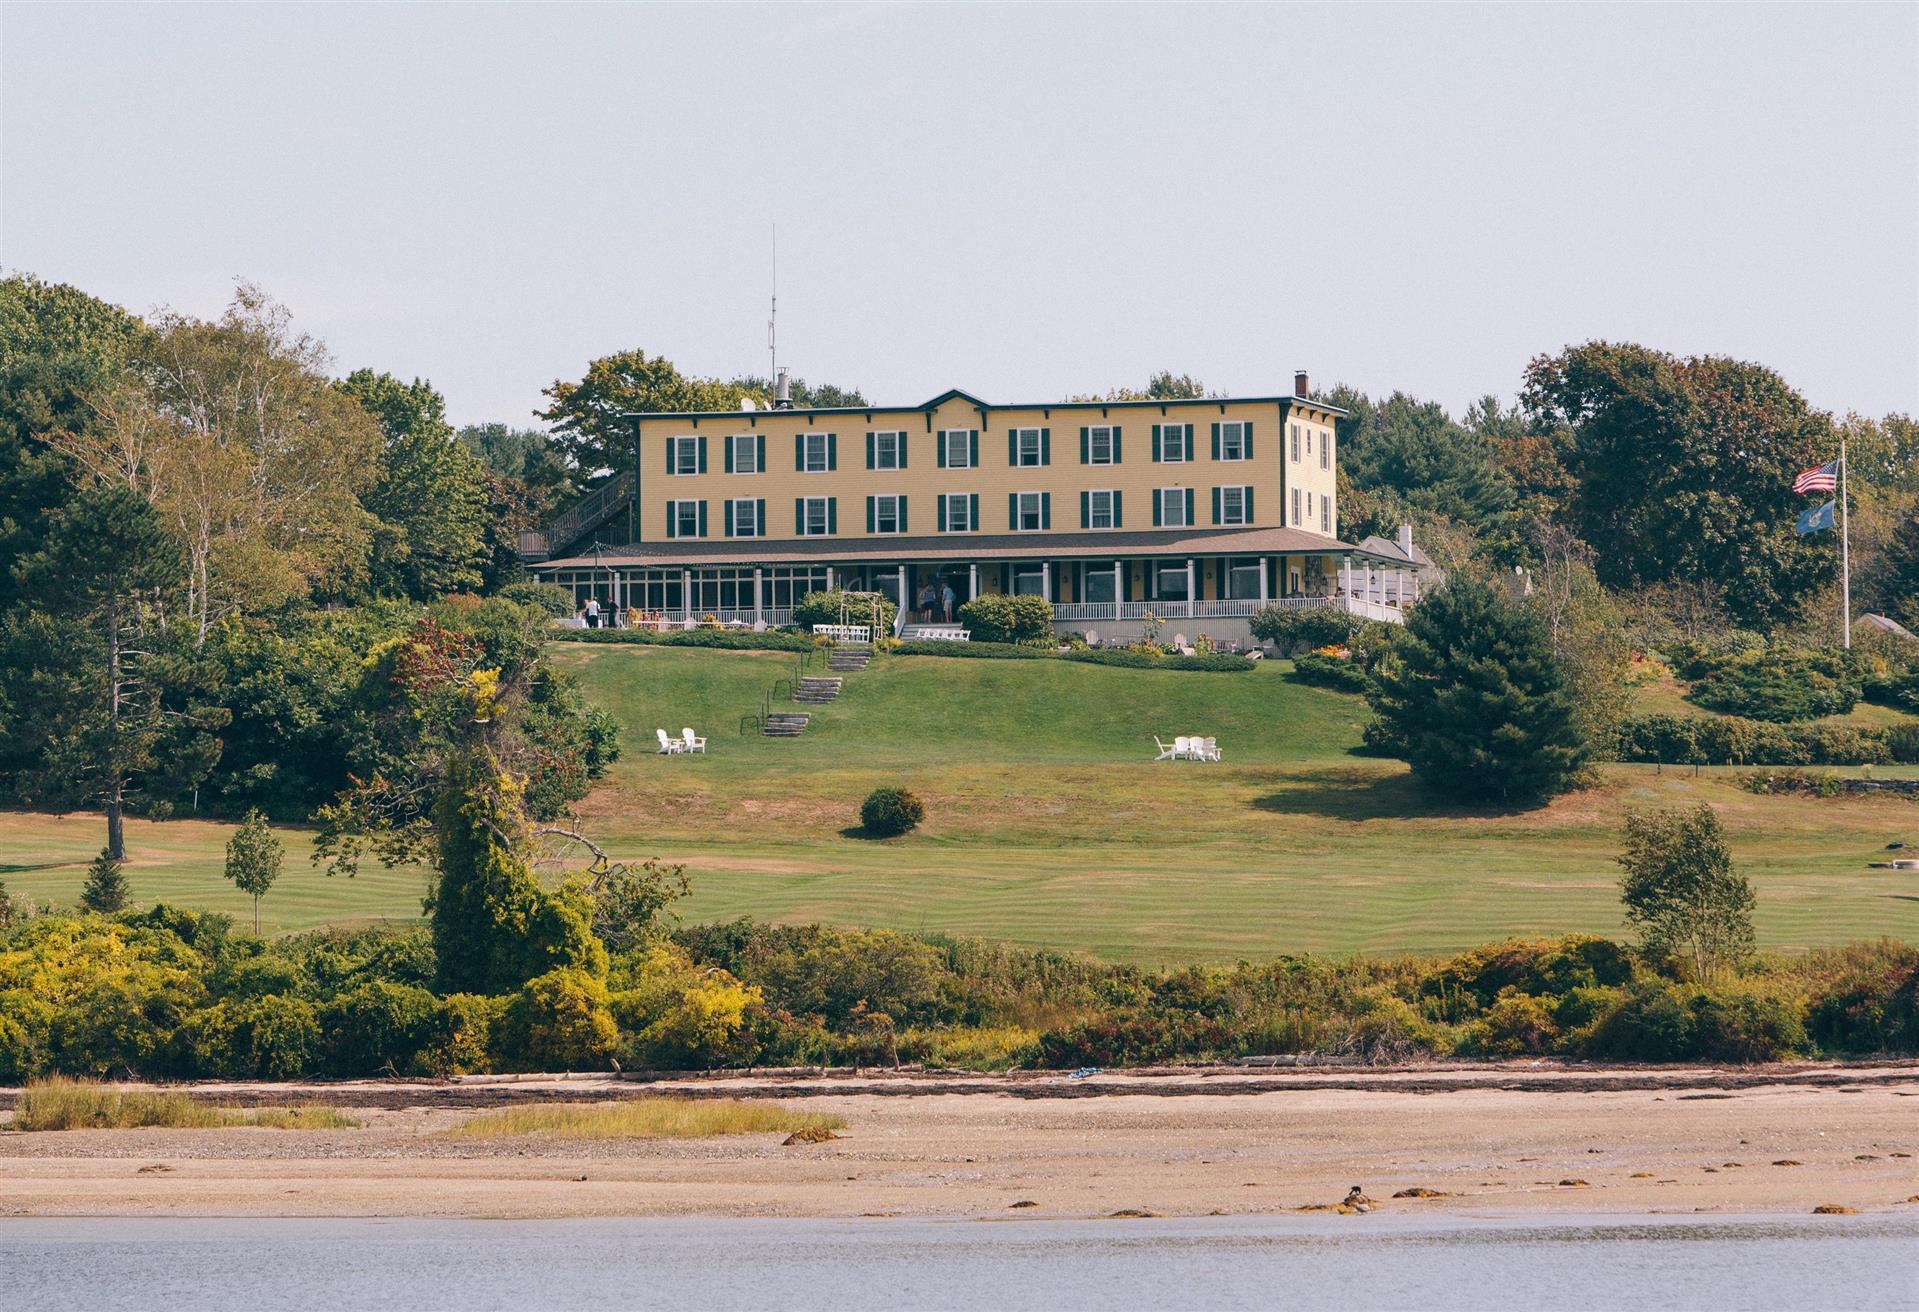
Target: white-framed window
{"points": [[1235, 441], [1029, 511], [1299, 516], [686, 454], [1172, 581], [1294, 434], [744, 448], [889, 514], [1100, 445], [1029, 579], [1102, 509], [816, 516], [744, 516], [816, 453], [1235, 505], [958, 447], [1029, 447], [686, 519], [1173, 507], [1326, 449], [1326, 516], [887, 450], [959, 513], [1174, 443], [1242, 578]]}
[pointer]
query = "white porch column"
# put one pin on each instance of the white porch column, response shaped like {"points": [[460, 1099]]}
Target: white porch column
{"points": [[759, 595], [1346, 575], [1046, 579], [686, 592], [829, 578], [972, 580], [1400, 583], [1119, 587], [905, 600], [1262, 582], [1192, 587]]}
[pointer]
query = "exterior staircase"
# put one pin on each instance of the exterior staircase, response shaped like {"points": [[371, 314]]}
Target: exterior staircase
{"points": [[785, 724], [817, 690], [844, 659]]}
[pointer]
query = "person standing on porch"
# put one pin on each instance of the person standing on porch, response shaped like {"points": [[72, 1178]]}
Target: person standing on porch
{"points": [[946, 600], [926, 604], [592, 612]]}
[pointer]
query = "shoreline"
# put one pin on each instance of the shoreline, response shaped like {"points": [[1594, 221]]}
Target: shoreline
{"points": [[1707, 1141]]}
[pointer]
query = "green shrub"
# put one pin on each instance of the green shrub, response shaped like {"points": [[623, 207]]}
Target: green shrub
{"points": [[1215, 663], [1325, 670], [26, 1025], [1778, 686], [824, 607], [380, 1026], [1868, 1002], [267, 1038], [559, 1021], [979, 651], [1515, 1025], [549, 598], [1902, 741], [1664, 1022], [997, 617], [1791, 779], [1731, 740], [1290, 628], [724, 639], [887, 812], [463, 1038]]}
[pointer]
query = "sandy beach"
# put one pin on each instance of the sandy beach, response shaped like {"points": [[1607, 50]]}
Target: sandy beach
{"points": [[1492, 1140]]}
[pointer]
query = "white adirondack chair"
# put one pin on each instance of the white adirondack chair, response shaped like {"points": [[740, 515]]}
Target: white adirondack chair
{"points": [[1166, 750], [691, 742], [669, 745]]}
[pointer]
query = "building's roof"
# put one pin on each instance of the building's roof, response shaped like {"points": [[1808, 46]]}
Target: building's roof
{"points": [[954, 393], [965, 547], [1386, 547]]}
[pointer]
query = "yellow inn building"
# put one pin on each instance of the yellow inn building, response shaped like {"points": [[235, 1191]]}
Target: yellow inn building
{"points": [[1197, 512]]}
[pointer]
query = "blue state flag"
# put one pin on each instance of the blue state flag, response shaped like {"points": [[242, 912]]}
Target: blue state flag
{"points": [[1816, 518]]}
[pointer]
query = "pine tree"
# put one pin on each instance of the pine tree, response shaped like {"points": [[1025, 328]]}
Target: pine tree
{"points": [[253, 859], [1476, 702], [106, 888]]}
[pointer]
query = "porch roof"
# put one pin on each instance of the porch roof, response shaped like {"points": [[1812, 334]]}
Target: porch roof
{"points": [[967, 547]]}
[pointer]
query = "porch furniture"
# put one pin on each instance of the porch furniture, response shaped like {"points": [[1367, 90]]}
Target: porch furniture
{"points": [[692, 743], [668, 745], [1167, 751], [1208, 749]]}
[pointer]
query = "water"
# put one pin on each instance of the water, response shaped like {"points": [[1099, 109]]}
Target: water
{"points": [[1854, 1263]]}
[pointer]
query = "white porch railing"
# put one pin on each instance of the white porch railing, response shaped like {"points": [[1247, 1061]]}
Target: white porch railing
{"points": [[772, 617], [1078, 611]]}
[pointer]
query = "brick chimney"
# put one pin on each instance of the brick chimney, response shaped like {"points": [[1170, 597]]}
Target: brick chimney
{"points": [[1301, 387]]}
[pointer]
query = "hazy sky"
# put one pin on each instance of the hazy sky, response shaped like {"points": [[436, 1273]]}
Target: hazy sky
{"points": [[1022, 201]]}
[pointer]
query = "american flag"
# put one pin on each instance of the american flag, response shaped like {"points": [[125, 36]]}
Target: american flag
{"points": [[1820, 478]]}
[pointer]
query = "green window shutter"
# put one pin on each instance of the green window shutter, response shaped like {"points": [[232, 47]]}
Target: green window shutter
{"points": [[672, 521], [972, 447], [1085, 445], [869, 450], [732, 512], [832, 514], [902, 508], [729, 455], [1116, 456], [1157, 429], [1250, 517], [1246, 439], [1012, 446], [1085, 506], [1189, 507], [942, 512], [1158, 498], [832, 450], [1012, 512], [759, 453], [939, 453], [702, 519], [901, 439], [799, 516], [759, 518], [702, 453], [799, 450], [972, 511], [1215, 441], [1216, 492], [1046, 446], [1116, 500], [869, 510], [669, 454], [1046, 510]]}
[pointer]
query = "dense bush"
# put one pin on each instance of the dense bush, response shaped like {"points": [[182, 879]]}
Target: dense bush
{"points": [[550, 598], [1730, 740], [1121, 657], [824, 607], [724, 639], [979, 651], [999, 617], [1325, 670], [559, 1021], [887, 812], [1780, 686], [1290, 628]]}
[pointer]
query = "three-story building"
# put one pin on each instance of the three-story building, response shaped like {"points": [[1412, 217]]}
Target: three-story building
{"points": [[1196, 512]]}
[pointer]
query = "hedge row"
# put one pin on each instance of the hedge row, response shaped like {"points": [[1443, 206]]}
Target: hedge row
{"points": [[1731, 740], [1218, 663], [729, 639]]}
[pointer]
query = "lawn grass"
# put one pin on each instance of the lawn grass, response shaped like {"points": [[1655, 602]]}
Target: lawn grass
{"points": [[645, 1118], [1049, 823], [68, 1104]]}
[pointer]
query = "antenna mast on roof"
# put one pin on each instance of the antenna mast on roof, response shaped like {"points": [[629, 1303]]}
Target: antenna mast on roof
{"points": [[773, 320]]}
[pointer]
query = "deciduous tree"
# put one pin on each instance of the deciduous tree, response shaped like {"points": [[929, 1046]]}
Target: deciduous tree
{"points": [[1680, 888], [254, 857]]}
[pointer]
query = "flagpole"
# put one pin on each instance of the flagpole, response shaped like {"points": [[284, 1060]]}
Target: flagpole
{"points": [[1845, 551]]}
